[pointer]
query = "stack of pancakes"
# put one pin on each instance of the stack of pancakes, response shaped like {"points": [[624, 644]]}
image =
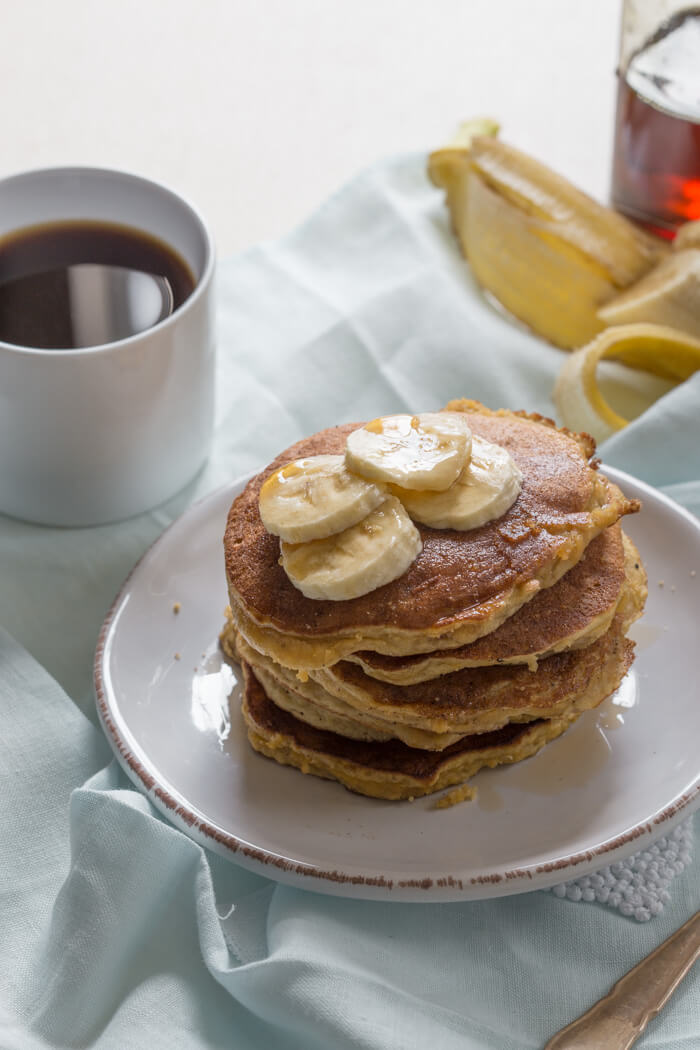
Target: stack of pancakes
{"points": [[492, 643]]}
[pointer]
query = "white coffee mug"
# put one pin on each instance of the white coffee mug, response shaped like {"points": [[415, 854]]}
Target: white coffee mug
{"points": [[100, 433]]}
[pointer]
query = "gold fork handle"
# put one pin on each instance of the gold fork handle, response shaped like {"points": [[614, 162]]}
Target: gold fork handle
{"points": [[617, 1020]]}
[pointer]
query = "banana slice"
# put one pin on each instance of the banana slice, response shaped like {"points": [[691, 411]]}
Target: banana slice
{"points": [[316, 497], [485, 489], [425, 452], [369, 554], [667, 295]]}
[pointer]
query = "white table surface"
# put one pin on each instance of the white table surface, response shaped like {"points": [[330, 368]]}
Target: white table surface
{"points": [[258, 109]]}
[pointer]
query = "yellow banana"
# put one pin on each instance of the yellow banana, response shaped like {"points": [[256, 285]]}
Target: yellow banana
{"points": [[449, 167], [662, 351], [548, 252]]}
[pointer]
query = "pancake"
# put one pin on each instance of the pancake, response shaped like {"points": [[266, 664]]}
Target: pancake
{"points": [[433, 715], [570, 615], [389, 770], [473, 700], [462, 586], [310, 702]]}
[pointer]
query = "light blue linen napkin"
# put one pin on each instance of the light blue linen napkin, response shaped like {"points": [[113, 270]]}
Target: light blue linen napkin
{"points": [[121, 932]]}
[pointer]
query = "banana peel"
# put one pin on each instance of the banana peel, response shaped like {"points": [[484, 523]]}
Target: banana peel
{"points": [[660, 350], [550, 254], [532, 271], [570, 268], [448, 167], [443, 164]]}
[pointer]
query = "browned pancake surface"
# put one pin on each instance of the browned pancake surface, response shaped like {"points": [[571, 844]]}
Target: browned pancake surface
{"points": [[586, 592], [480, 690], [458, 575]]}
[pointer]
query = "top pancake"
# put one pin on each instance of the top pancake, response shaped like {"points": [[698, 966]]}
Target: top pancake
{"points": [[463, 584]]}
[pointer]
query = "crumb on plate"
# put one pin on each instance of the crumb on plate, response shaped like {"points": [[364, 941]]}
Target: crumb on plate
{"points": [[462, 793]]}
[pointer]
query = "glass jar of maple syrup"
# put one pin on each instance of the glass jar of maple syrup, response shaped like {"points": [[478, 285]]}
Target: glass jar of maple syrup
{"points": [[656, 162]]}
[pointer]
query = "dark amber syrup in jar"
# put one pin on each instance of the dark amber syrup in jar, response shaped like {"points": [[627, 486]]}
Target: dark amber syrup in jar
{"points": [[656, 165]]}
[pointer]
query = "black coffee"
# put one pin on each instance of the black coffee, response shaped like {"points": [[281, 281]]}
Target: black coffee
{"points": [[74, 284]]}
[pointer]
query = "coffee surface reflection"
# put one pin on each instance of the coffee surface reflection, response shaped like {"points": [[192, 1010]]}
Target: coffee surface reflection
{"points": [[79, 284]]}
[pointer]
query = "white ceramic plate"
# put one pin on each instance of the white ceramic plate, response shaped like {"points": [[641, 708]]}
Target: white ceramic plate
{"points": [[622, 776]]}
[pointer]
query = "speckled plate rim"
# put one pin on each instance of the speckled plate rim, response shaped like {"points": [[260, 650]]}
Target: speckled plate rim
{"points": [[371, 885]]}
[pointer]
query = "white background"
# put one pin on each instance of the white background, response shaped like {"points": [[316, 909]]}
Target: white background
{"points": [[258, 109]]}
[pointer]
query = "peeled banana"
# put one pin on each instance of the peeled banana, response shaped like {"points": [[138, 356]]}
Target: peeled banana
{"points": [[659, 350], [668, 295], [570, 268], [549, 253]]}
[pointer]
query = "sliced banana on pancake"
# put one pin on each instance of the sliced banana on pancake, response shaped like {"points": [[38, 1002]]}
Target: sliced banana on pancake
{"points": [[365, 556], [316, 497], [423, 452], [485, 490]]}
